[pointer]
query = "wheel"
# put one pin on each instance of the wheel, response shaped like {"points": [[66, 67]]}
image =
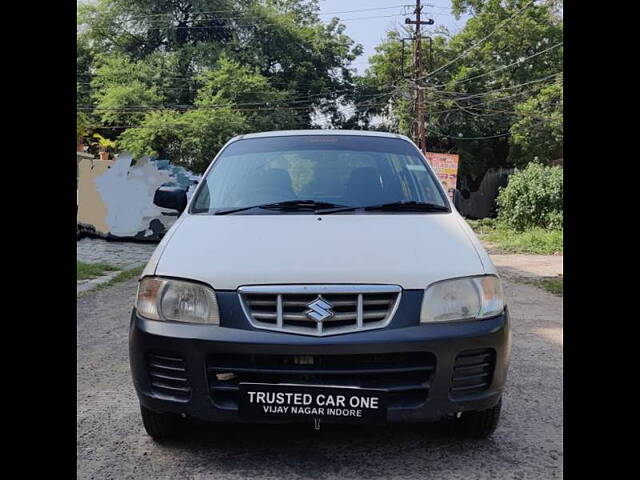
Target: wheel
{"points": [[479, 424], [160, 426]]}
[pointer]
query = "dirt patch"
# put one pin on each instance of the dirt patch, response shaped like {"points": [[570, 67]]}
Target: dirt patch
{"points": [[517, 266]]}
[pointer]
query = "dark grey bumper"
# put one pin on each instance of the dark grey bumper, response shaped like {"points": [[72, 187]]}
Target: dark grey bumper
{"points": [[196, 344]]}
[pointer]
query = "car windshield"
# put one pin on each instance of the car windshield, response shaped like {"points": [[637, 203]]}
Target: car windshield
{"points": [[327, 170]]}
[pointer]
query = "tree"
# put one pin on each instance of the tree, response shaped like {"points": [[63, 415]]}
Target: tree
{"points": [[158, 54], [538, 133], [506, 54], [82, 127], [190, 139], [233, 84], [225, 105]]}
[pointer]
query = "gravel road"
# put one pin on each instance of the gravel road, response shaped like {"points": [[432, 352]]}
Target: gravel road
{"points": [[111, 442]]}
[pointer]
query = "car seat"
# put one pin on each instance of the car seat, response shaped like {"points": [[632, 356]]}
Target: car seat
{"points": [[364, 186]]}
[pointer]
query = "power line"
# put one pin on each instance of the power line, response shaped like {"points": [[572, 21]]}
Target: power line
{"points": [[510, 87], [461, 94], [142, 108], [268, 24], [281, 103], [280, 13], [495, 100], [517, 62], [494, 111], [310, 94], [192, 79], [481, 94], [488, 92], [292, 85], [183, 123], [182, 108], [479, 42], [474, 96], [429, 5], [476, 138], [526, 114], [235, 25]]}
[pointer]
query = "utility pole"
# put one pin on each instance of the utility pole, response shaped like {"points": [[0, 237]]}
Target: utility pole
{"points": [[417, 75]]}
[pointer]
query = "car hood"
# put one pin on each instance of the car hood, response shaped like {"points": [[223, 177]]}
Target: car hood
{"points": [[228, 251]]}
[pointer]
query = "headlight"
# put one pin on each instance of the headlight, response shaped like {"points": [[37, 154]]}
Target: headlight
{"points": [[177, 301], [462, 299]]}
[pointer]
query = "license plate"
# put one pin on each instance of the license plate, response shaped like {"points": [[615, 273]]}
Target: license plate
{"points": [[260, 401]]}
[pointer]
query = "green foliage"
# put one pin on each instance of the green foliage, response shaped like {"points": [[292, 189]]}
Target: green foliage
{"points": [[532, 198], [269, 64], [486, 94], [500, 238], [224, 106], [245, 65], [233, 84], [105, 143], [84, 60], [82, 126], [123, 88], [191, 139], [538, 133]]}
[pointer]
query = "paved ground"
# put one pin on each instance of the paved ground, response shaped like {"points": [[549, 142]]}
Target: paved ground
{"points": [[111, 442], [126, 254], [515, 266]]}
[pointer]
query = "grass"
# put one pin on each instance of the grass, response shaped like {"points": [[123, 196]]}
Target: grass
{"points": [[551, 285], [503, 239], [85, 271], [120, 277]]}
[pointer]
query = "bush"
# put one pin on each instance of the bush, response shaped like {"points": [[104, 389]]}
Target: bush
{"points": [[532, 198]]}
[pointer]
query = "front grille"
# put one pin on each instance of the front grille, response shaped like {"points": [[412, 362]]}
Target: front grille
{"points": [[472, 372], [168, 377], [407, 376], [320, 309]]}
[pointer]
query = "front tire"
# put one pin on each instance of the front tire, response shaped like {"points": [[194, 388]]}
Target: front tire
{"points": [[160, 426], [478, 424]]}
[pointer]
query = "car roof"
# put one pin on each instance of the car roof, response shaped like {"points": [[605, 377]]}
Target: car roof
{"points": [[290, 133]]}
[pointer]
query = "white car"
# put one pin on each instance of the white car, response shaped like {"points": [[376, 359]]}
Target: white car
{"points": [[319, 276]]}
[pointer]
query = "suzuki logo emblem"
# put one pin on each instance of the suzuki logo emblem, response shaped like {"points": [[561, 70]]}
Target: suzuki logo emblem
{"points": [[319, 310]]}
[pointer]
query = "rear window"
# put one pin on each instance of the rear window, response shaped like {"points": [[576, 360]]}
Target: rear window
{"points": [[341, 169]]}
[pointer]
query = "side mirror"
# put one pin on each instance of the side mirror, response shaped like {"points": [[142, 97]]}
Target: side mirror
{"points": [[457, 199], [171, 197]]}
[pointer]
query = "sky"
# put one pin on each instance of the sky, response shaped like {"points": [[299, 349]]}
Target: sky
{"points": [[391, 14]]}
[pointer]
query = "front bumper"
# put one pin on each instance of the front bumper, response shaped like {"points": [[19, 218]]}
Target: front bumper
{"points": [[191, 350]]}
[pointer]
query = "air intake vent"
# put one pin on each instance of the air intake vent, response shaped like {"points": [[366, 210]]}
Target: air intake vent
{"points": [[320, 309], [406, 376], [472, 372], [168, 377]]}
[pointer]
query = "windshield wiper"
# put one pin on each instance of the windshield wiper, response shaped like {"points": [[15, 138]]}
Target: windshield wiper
{"points": [[393, 206], [412, 205], [286, 205]]}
